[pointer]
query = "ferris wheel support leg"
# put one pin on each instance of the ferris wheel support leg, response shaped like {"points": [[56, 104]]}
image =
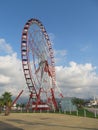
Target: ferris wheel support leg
{"points": [[28, 104], [54, 100], [9, 108], [38, 100], [16, 98]]}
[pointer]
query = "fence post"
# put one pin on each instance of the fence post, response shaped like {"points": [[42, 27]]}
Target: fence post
{"points": [[65, 111], [84, 113], [77, 112], [95, 113], [47, 111], [70, 111]]}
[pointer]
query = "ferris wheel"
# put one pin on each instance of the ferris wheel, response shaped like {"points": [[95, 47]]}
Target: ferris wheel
{"points": [[38, 65]]}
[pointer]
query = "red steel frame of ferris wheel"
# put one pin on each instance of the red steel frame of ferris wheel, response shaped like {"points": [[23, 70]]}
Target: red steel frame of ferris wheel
{"points": [[27, 25]]}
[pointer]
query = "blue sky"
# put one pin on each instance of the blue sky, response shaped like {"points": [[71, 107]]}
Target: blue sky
{"points": [[71, 24], [74, 24]]}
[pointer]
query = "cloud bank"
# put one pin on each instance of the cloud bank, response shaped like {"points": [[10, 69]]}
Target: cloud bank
{"points": [[5, 48], [11, 75], [79, 80]]}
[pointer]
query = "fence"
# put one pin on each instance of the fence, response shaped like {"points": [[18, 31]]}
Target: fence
{"points": [[93, 113]]}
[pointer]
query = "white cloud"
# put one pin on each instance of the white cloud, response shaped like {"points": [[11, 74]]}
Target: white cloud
{"points": [[60, 52], [11, 75], [52, 37], [4, 79], [5, 47], [60, 56], [74, 80], [85, 48], [77, 79]]}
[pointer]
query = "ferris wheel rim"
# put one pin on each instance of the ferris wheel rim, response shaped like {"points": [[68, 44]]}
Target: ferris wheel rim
{"points": [[24, 51]]}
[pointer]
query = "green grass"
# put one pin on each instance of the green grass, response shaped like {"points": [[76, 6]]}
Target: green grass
{"points": [[83, 113]]}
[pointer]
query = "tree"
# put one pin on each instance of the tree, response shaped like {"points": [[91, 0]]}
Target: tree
{"points": [[7, 101], [23, 105], [78, 102]]}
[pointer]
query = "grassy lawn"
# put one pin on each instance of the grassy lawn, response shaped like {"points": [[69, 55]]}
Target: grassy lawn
{"points": [[83, 113], [80, 112]]}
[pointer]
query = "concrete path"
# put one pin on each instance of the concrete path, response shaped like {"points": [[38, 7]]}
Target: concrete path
{"points": [[46, 121]]}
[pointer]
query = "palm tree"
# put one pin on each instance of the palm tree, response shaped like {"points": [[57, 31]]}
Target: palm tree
{"points": [[1, 104], [7, 101]]}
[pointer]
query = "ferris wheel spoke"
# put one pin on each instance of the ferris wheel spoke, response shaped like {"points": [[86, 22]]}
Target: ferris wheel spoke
{"points": [[38, 63]]}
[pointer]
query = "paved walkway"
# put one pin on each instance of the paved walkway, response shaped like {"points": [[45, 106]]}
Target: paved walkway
{"points": [[46, 121], [6, 126]]}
